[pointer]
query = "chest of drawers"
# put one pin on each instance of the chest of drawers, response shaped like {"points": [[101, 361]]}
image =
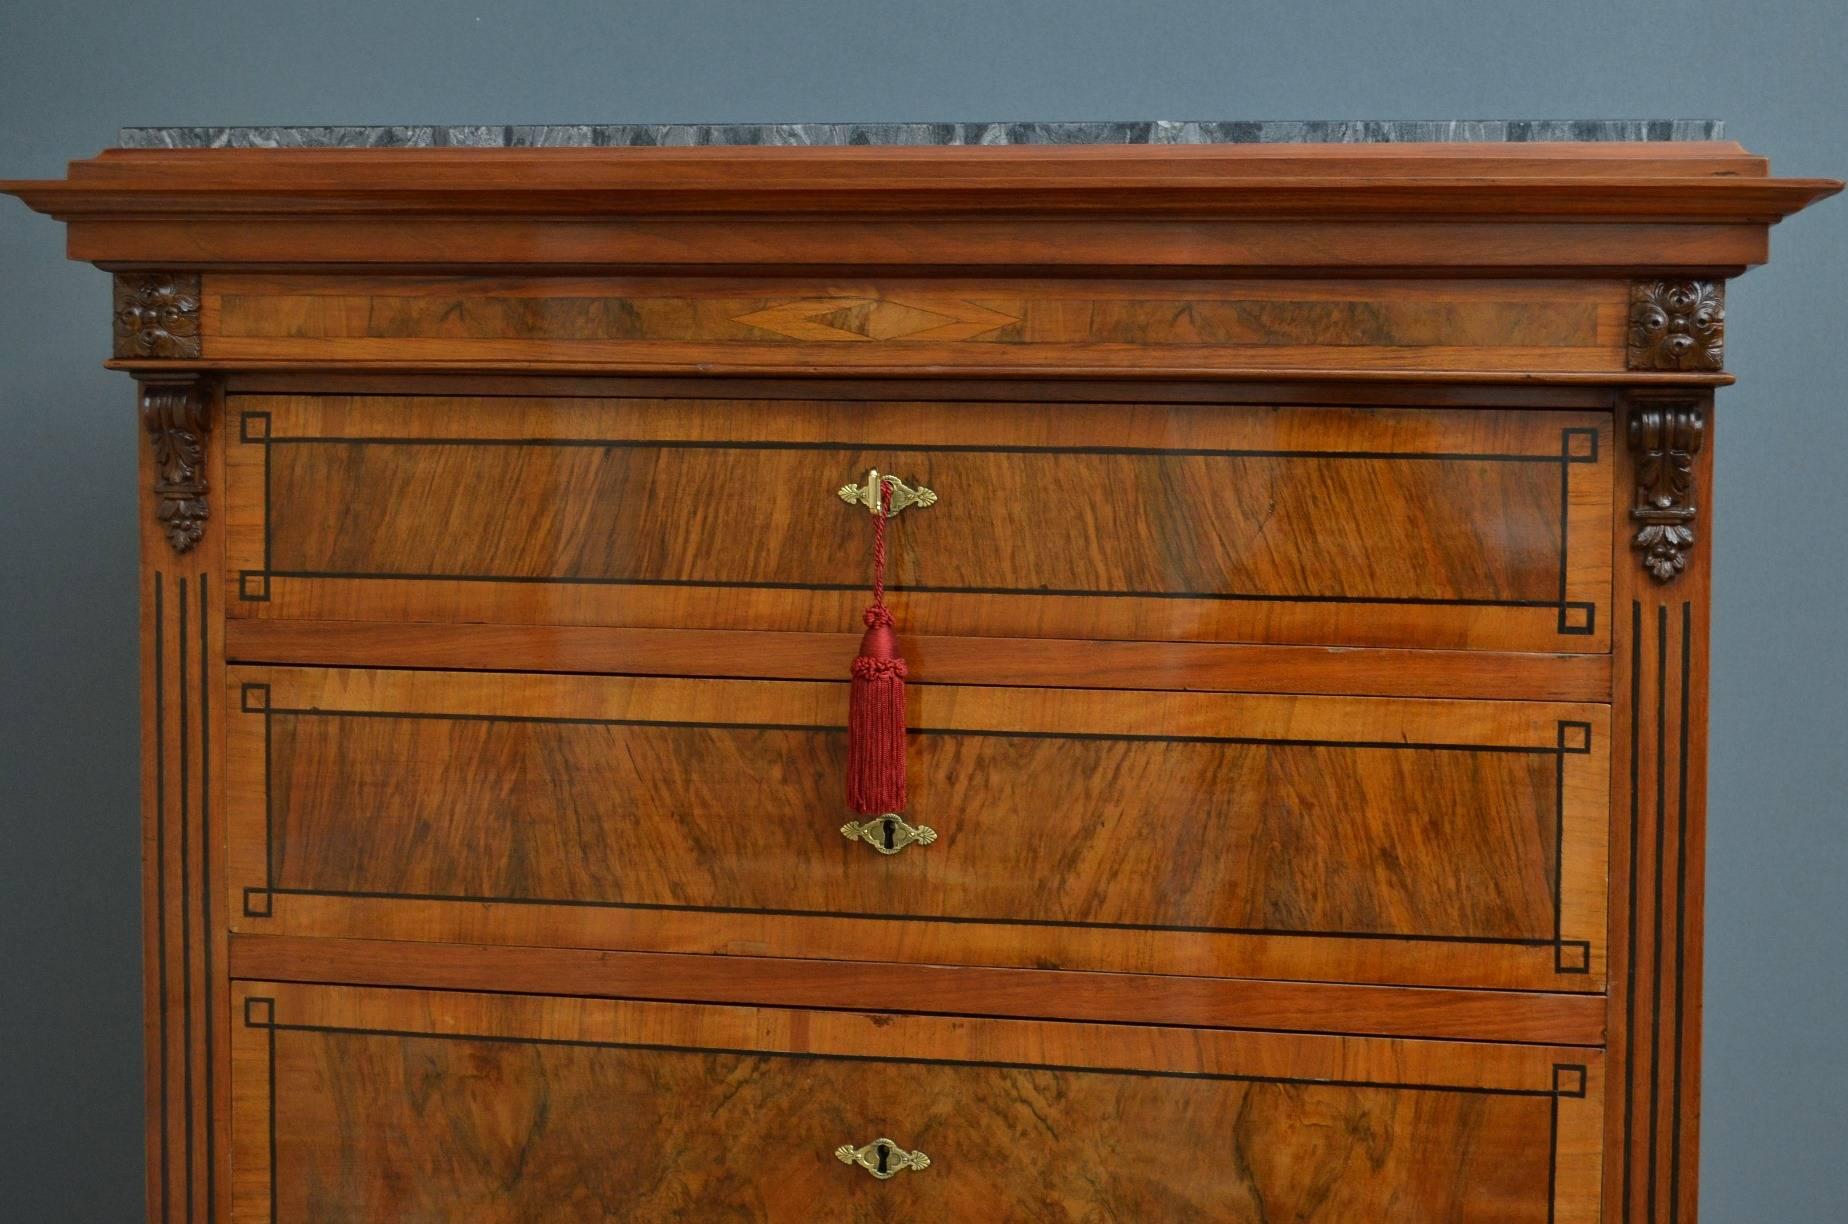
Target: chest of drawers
{"points": [[1300, 560]]}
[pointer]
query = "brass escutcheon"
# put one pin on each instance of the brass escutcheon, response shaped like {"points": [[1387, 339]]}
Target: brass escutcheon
{"points": [[889, 833], [882, 1158], [899, 495]]}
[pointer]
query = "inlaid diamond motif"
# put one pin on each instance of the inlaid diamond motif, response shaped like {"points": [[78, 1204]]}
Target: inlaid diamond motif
{"points": [[865, 318]]}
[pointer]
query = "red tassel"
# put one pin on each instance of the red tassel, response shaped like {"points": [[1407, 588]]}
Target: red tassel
{"points": [[876, 705], [876, 721]]}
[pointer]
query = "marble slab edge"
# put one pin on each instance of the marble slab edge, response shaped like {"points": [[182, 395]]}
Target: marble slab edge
{"points": [[1154, 132]]}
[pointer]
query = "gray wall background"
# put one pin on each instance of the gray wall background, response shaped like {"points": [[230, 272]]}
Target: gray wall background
{"points": [[70, 74]]}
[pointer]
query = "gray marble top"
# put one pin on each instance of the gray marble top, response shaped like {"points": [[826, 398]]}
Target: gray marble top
{"points": [[501, 136]]}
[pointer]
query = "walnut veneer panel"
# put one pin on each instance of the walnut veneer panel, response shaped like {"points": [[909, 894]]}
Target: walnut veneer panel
{"points": [[356, 1104], [1363, 526], [1251, 325], [1452, 843]]}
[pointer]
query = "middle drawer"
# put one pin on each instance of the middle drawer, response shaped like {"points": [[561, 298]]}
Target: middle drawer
{"points": [[1451, 843]]}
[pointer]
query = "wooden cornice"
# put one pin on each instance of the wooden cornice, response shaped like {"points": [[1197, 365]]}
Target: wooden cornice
{"points": [[1697, 181], [1532, 208]]}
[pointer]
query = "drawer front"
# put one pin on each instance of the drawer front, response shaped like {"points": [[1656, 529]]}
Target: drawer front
{"points": [[1359, 526], [369, 1104], [1345, 839]]}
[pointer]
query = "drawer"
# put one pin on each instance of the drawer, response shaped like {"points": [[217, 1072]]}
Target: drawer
{"points": [[1383, 526], [374, 1104], [1450, 843]]}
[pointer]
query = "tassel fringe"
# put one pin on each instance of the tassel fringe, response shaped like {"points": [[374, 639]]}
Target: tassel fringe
{"points": [[876, 721]]}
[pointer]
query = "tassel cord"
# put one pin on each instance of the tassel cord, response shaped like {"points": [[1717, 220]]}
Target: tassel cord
{"points": [[876, 714]]}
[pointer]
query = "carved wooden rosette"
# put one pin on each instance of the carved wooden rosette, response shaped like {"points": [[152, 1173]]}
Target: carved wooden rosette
{"points": [[157, 314], [1677, 325], [1665, 435], [177, 420]]}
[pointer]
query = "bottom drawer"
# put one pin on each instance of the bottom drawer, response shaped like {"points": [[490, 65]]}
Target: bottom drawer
{"points": [[361, 1104]]}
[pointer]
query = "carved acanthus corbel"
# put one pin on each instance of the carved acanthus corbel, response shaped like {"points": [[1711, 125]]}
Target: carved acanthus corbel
{"points": [[1665, 435], [177, 420]]}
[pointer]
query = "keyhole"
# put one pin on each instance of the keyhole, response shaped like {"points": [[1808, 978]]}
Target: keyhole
{"points": [[888, 833], [884, 1151]]}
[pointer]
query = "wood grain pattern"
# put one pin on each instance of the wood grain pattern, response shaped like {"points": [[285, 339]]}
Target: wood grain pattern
{"points": [[354, 378], [1530, 1017], [404, 1105], [1079, 521], [857, 247], [182, 818], [1466, 833], [434, 372], [1358, 324], [1659, 869]]}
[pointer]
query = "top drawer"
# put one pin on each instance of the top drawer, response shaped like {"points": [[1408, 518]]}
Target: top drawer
{"points": [[1341, 525]]}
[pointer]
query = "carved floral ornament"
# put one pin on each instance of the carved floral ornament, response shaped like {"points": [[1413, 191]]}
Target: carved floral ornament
{"points": [[157, 314], [1677, 325]]}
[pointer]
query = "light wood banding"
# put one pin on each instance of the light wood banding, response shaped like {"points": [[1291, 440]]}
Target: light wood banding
{"points": [[1526, 1017]]}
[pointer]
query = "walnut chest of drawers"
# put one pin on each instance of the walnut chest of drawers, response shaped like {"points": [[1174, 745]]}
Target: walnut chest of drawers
{"points": [[1306, 624]]}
